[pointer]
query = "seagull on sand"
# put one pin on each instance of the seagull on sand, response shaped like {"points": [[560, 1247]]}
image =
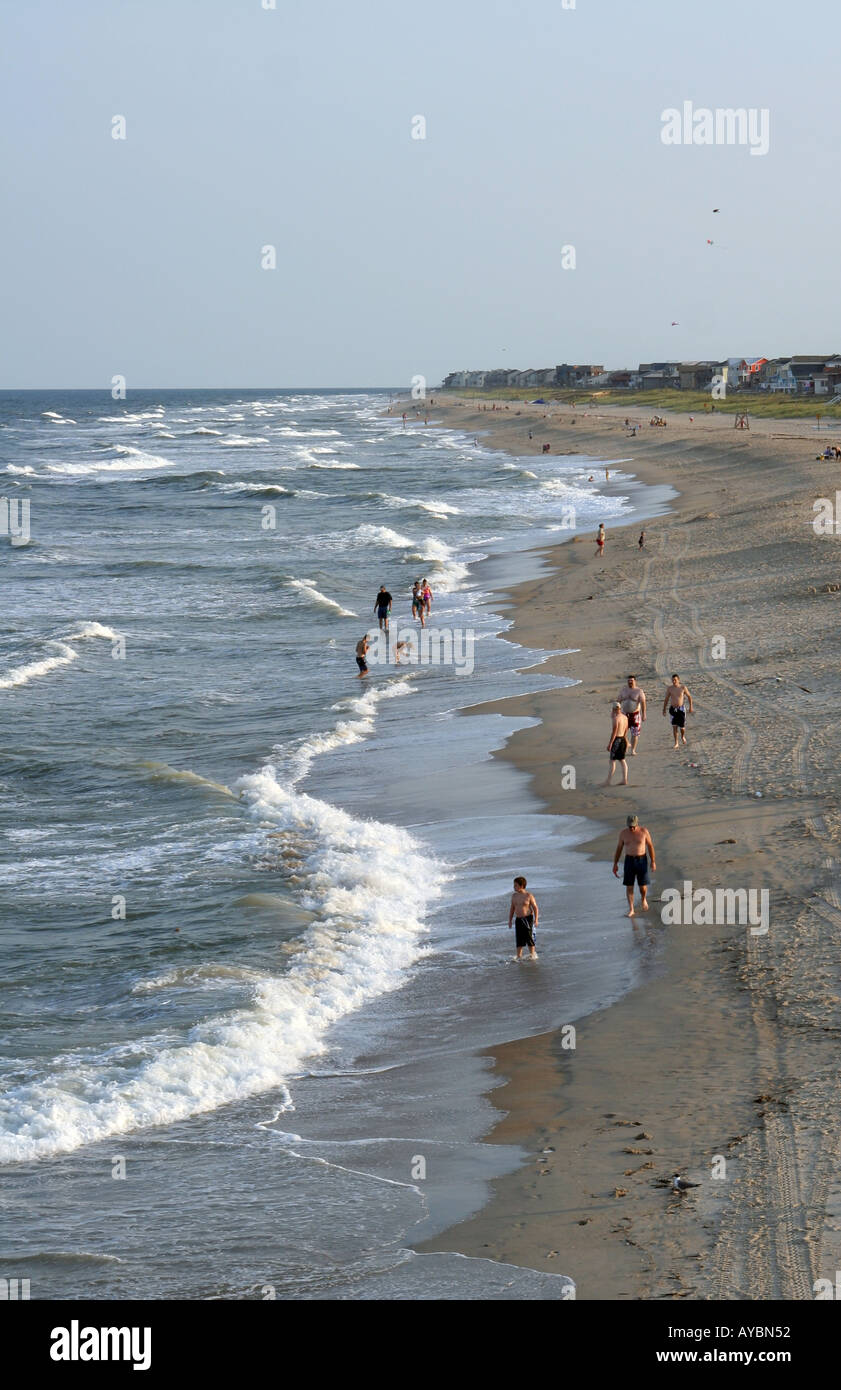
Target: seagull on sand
{"points": [[682, 1185]]}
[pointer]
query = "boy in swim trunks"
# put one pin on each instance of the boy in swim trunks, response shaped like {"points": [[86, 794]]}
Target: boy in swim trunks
{"points": [[361, 651], [676, 702], [638, 847], [618, 745], [522, 915]]}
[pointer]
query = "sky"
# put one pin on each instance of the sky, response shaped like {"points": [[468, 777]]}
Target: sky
{"points": [[292, 127]]}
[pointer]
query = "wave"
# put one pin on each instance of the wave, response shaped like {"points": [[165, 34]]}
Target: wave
{"points": [[239, 441], [367, 534], [309, 434], [333, 465], [26, 470], [32, 670], [132, 461], [369, 885], [441, 510], [347, 731], [162, 772], [307, 586], [258, 489], [58, 419]]}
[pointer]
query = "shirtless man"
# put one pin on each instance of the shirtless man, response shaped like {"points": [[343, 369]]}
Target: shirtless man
{"points": [[676, 702], [618, 745], [632, 700], [523, 914], [600, 539], [361, 652], [638, 847]]}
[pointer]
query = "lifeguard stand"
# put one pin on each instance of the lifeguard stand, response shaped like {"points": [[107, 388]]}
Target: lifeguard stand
{"points": [[741, 420]]}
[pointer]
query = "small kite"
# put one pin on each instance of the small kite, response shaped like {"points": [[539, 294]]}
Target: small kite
{"points": [[716, 209], [675, 323]]}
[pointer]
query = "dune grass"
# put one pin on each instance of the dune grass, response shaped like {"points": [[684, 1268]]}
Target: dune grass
{"points": [[767, 405]]}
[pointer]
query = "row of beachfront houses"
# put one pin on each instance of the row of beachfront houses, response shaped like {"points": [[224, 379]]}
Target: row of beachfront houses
{"points": [[817, 376]]}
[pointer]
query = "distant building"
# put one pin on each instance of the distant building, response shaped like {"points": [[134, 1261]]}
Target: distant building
{"points": [[748, 372], [696, 376]]}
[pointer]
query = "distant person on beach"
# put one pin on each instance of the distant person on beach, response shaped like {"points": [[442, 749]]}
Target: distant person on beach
{"points": [[417, 601], [600, 540], [607, 475], [618, 745], [361, 653], [522, 915], [632, 700], [638, 847], [404, 419], [641, 541], [382, 607], [676, 702], [426, 595]]}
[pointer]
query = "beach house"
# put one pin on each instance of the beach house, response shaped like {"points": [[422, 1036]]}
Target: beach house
{"points": [[748, 372]]}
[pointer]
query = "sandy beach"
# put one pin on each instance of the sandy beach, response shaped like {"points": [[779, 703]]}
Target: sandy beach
{"points": [[724, 1063]]}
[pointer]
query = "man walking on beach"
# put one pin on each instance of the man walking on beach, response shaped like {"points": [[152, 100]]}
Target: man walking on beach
{"points": [[600, 539], [522, 915], [618, 745], [676, 702], [638, 848], [361, 652], [632, 700], [382, 607]]}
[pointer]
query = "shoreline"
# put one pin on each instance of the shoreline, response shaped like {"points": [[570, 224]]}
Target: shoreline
{"points": [[703, 1060]]}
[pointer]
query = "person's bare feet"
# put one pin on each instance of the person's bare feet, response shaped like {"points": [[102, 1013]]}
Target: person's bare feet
{"points": [[632, 913]]}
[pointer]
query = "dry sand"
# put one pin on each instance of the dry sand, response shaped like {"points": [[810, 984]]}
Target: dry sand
{"points": [[731, 1052]]}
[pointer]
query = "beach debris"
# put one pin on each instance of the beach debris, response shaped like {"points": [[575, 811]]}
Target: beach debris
{"points": [[682, 1185], [642, 1135], [586, 1221], [727, 842], [550, 1150], [551, 1254], [620, 1192]]}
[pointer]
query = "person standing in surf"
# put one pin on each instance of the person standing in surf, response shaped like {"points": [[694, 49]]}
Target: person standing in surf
{"points": [[382, 607], [361, 653], [417, 602], [426, 593], [523, 913]]}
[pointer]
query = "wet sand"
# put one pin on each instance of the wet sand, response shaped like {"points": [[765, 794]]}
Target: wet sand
{"points": [[726, 1065]]}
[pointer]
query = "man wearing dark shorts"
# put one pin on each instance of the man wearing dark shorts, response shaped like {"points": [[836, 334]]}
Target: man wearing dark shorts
{"points": [[361, 651], [638, 848], [382, 607], [678, 703], [522, 915]]}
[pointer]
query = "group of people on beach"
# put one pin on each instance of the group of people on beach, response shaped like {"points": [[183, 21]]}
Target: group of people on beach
{"points": [[628, 714], [421, 606]]}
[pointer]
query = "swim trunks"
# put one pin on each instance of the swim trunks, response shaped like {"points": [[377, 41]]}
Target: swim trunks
{"points": [[636, 870], [677, 714], [524, 929], [382, 613], [634, 722], [362, 663], [618, 749]]}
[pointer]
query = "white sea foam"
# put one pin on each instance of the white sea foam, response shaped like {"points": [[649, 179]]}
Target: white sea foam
{"points": [[367, 534], [312, 434], [240, 441], [363, 708], [307, 586], [25, 470], [65, 654], [339, 466], [370, 886]]}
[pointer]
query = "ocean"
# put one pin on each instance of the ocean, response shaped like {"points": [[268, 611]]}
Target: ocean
{"points": [[253, 908]]}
